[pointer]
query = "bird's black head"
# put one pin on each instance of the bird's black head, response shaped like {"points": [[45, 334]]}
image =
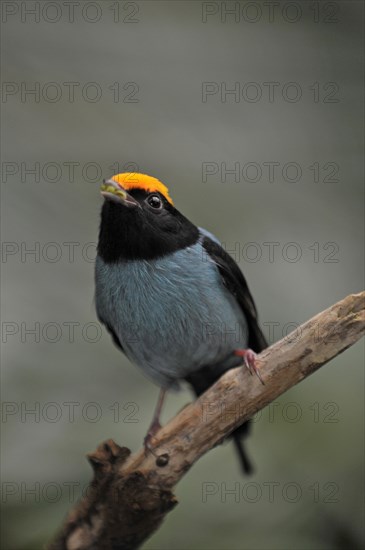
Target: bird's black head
{"points": [[139, 220]]}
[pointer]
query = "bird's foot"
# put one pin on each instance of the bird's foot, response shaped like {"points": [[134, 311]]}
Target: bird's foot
{"points": [[249, 359], [152, 431]]}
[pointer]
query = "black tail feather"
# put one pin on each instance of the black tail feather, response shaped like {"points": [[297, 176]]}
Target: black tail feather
{"points": [[200, 382], [246, 465]]}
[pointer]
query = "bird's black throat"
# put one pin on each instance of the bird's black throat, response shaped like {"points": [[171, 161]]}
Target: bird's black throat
{"points": [[137, 233]]}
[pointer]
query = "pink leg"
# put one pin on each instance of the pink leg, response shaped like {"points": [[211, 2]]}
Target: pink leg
{"points": [[249, 359], [155, 424]]}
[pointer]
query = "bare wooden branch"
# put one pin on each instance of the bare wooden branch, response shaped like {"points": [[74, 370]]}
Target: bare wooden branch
{"points": [[131, 494]]}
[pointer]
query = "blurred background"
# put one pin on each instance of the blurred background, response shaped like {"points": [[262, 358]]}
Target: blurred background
{"points": [[252, 114]]}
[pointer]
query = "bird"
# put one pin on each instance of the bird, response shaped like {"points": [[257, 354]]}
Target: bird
{"points": [[173, 300]]}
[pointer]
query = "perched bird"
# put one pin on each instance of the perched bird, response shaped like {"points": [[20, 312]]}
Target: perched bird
{"points": [[172, 299]]}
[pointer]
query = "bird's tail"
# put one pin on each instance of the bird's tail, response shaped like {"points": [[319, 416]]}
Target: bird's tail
{"points": [[246, 464], [200, 382]]}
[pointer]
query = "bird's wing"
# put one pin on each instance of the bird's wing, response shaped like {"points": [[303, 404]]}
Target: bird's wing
{"points": [[235, 282], [210, 235]]}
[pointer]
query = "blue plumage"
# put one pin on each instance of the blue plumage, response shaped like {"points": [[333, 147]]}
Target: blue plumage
{"points": [[172, 315]]}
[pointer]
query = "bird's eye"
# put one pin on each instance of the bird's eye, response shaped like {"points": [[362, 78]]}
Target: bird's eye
{"points": [[154, 201]]}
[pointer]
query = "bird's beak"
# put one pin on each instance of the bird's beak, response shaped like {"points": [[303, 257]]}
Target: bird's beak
{"points": [[114, 192]]}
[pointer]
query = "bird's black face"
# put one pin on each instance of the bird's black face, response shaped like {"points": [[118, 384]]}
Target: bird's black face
{"points": [[142, 225]]}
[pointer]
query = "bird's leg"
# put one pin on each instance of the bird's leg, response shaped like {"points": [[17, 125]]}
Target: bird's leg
{"points": [[155, 424], [249, 359]]}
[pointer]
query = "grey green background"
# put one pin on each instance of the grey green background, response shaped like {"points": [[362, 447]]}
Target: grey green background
{"points": [[169, 133]]}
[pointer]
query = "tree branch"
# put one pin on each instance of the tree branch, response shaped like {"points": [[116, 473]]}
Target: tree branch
{"points": [[131, 494]]}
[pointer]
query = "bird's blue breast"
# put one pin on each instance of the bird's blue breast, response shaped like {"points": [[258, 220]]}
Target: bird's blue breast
{"points": [[172, 315]]}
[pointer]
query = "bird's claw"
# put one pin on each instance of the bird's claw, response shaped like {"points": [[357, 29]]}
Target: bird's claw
{"points": [[249, 359], [147, 442]]}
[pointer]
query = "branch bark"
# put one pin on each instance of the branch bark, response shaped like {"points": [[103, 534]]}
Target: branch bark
{"points": [[131, 494]]}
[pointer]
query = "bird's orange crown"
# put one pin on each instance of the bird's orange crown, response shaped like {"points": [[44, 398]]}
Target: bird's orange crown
{"points": [[132, 180]]}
